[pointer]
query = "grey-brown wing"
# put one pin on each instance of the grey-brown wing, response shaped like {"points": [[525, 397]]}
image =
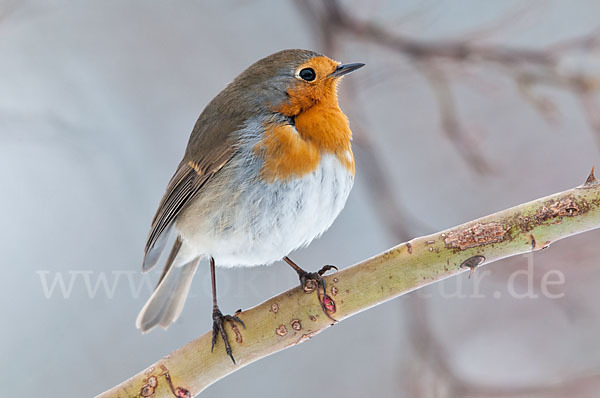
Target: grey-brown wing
{"points": [[185, 184]]}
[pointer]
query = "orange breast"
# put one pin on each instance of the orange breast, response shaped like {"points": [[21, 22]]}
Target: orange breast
{"points": [[286, 154], [320, 127], [327, 127], [290, 152]]}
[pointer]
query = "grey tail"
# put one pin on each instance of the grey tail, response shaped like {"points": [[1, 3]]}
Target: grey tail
{"points": [[166, 303]]}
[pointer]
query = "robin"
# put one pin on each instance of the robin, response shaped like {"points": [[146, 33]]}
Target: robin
{"points": [[268, 167]]}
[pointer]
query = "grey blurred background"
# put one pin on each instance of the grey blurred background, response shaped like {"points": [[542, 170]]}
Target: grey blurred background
{"points": [[97, 100]]}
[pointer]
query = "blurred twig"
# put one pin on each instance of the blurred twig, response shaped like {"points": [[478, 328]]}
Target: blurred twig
{"points": [[582, 386], [398, 220], [590, 105], [7, 8], [528, 68], [535, 66], [449, 118]]}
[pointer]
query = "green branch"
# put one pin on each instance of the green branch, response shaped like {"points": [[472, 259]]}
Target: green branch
{"points": [[295, 316]]}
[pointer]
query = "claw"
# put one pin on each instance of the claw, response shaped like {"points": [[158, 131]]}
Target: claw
{"points": [[233, 318], [214, 337], [326, 268], [218, 328]]}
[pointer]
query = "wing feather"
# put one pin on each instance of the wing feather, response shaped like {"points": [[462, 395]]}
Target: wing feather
{"points": [[185, 184]]}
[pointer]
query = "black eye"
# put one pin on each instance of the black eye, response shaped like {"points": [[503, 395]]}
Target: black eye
{"points": [[308, 74]]}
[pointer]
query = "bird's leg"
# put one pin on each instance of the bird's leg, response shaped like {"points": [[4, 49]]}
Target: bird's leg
{"points": [[313, 281], [218, 318]]}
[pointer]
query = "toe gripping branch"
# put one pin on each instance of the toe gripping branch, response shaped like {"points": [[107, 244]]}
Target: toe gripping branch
{"points": [[311, 281], [314, 280], [218, 328]]}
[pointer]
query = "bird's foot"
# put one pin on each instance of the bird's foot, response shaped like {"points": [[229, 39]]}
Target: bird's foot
{"points": [[311, 281], [218, 328]]}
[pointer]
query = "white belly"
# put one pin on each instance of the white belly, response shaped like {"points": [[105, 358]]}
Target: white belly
{"points": [[259, 223]]}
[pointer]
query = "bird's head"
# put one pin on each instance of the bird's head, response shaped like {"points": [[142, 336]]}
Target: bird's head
{"points": [[292, 81]]}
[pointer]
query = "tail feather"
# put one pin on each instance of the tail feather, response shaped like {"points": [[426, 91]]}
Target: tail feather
{"points": [[166, 303]]}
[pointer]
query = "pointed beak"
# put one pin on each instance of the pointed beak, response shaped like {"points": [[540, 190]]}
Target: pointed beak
{"points": [[344, 69]]}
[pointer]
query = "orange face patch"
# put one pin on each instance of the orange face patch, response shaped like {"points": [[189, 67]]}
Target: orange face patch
{"points": [[321, 126], [303, 94]]}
